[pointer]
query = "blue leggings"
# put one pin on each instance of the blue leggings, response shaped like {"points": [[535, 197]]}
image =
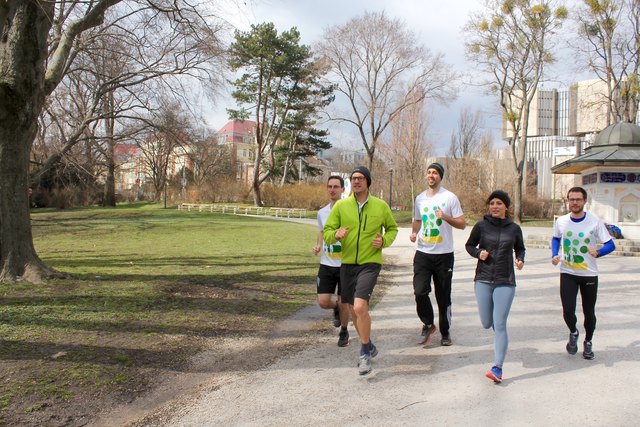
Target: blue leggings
{"points": [[494, 303]]}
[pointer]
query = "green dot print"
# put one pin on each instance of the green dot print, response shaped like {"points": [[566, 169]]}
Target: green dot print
{"points": [[584, 249]]}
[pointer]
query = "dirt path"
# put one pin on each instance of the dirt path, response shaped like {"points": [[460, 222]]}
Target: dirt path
{"points": [[411, 385]]}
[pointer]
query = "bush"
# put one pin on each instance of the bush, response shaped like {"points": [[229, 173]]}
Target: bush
{"points": [[70, 196], [302, 196], [535, 207]]}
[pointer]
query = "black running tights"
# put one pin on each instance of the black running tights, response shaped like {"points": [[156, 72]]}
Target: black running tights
{"points": [[588, 287]]}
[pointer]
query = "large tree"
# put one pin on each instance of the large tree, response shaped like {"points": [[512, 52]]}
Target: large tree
{"points": [[466, 141], [161, 143], [381, 69], [406, 151], [468, 172], [280, 78], [38, 44], [512, 41], [609, 44], [119, 75]]}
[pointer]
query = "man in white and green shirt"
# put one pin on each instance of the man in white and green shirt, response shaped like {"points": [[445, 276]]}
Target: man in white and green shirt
{"points": [[436, 211], [577, 233], [328, 279]]}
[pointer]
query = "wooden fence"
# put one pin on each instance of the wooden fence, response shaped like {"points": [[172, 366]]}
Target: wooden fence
{"points": [[244, 210]]}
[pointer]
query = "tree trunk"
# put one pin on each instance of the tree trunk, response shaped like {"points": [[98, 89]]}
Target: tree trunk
{"points": [[255, 185], [285, 171], [517, 195], [110, 183], [18, 259], [22, 92], [371, 153]]}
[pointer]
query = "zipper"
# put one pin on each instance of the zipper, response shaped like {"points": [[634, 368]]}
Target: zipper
{"points": [[493, 270], [360, 227]]}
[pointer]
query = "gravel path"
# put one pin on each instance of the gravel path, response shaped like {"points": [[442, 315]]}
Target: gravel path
{"points": [[412, 385]]}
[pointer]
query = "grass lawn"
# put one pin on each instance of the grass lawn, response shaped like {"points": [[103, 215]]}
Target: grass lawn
{"points": [[146, 286]]}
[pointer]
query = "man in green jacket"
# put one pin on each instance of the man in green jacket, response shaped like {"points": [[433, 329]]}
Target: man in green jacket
{"points": [[363, 224]]}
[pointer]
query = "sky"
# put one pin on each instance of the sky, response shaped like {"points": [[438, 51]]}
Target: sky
{"points": [[438, 24]]}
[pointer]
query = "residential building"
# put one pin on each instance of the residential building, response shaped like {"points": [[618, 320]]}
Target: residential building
{"points": [[240, 136]]}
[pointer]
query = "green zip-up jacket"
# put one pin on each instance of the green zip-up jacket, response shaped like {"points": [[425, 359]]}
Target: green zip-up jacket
{"points": [[375, 217]]}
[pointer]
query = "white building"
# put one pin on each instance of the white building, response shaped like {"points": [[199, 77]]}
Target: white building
{"points": [[610, 172]]}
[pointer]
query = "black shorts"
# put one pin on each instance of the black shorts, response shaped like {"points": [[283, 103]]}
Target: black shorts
{"points": [[358, 281], [328, 280]]}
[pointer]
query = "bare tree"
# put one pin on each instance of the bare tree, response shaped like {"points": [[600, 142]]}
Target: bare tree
{"points": [[381, 69], [162, 143], [209, 161], [609, 42], [407, 151], [120, 71], [39, 42], [512, 42], [466, 140], [470, 168]]}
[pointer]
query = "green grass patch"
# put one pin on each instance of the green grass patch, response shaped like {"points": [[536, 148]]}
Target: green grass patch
{"points": [[146, 286]]}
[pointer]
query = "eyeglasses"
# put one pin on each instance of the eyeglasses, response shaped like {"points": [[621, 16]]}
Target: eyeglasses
{"points": [[575, 200], [357, 178]]}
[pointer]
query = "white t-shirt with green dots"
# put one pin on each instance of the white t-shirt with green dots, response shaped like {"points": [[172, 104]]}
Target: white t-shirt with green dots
{"points": [[436, 235], [331, 254], [575, 237]]}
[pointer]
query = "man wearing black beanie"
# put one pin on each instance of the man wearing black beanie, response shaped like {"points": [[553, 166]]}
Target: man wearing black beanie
{"points": [[363, 224], [436, 211]]}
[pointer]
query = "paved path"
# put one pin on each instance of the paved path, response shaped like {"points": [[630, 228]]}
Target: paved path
{"points": [[411, 385]]}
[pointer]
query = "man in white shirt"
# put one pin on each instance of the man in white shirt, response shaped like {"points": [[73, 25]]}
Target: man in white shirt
{"points": [[435, 213], [577, 234], [328, 280]]}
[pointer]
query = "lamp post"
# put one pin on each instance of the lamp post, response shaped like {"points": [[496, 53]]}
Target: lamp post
{"points": [[390, 187]]}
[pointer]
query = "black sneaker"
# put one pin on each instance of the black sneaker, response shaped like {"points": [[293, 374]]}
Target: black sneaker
{"points": [[446, 340], [587, 353], [572, 345], [426, 333], [343, 338], [336, 316]]}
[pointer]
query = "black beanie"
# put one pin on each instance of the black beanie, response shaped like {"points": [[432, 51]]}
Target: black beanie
{"points": [[502, 195], [438, 167], [364, 171]]}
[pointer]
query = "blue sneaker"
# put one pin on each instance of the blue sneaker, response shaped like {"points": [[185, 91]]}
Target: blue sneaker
{"points": [[495, 374]]}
